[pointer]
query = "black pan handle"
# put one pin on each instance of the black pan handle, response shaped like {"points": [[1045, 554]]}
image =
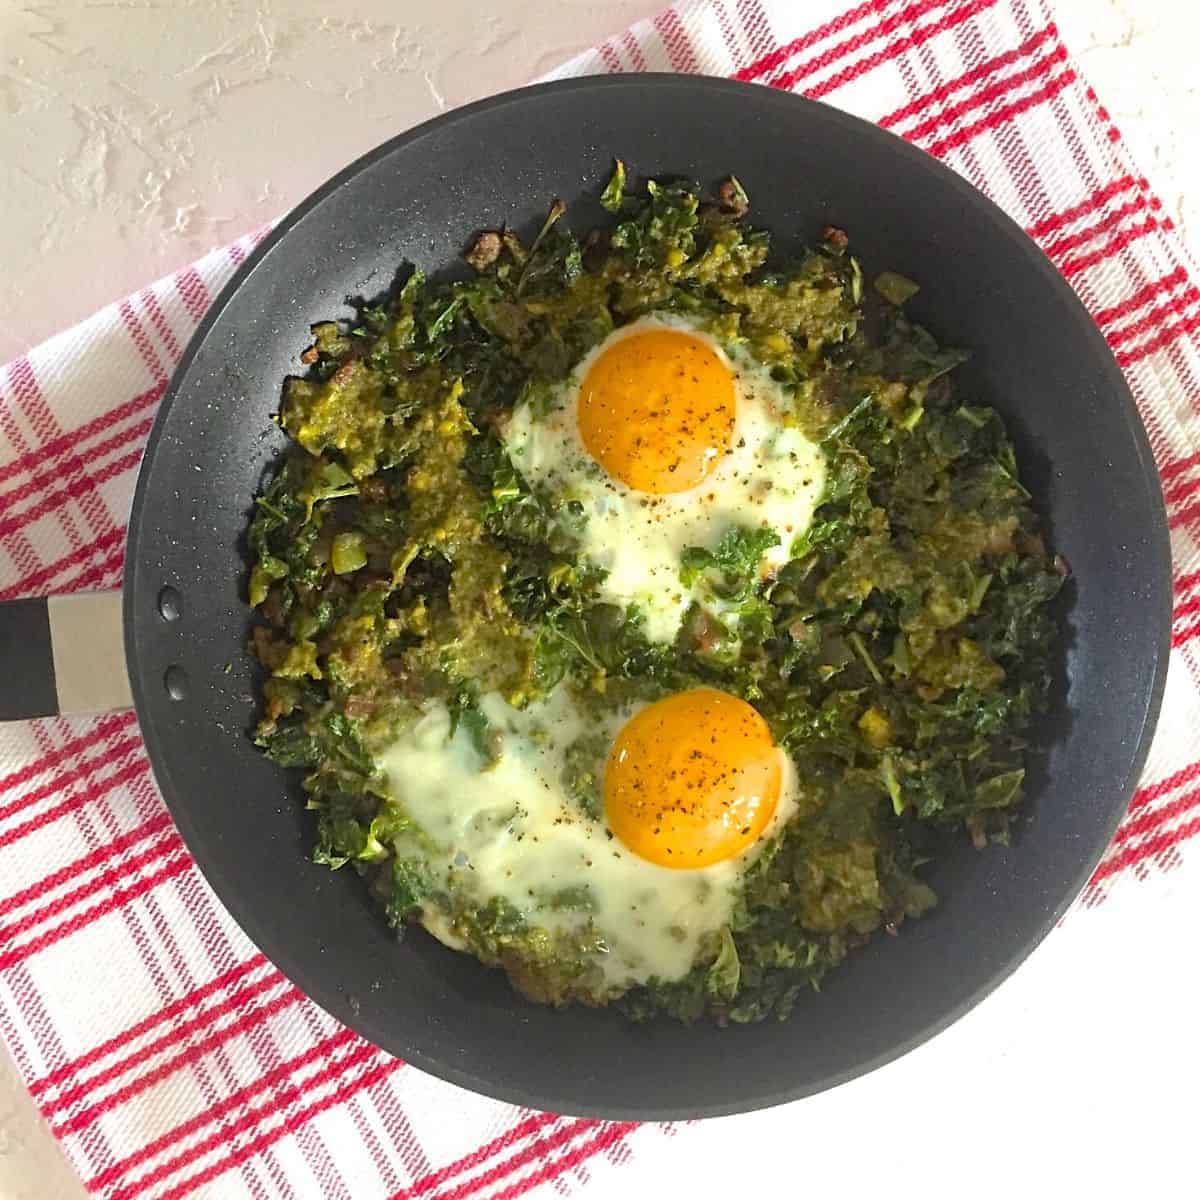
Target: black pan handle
{"points": [[62, 655]]}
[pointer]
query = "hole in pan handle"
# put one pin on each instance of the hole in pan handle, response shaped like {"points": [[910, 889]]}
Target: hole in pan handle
{"points": [[62, 655]]}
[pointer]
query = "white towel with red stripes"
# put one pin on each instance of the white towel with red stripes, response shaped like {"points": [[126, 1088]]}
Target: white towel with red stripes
{"points": [[172, 1060]]}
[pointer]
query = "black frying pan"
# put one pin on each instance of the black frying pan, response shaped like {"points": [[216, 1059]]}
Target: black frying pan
{"points": [[1038, 358]]}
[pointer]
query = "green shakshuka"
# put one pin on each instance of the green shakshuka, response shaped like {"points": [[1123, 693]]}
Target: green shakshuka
{"points": [[645, 613]]}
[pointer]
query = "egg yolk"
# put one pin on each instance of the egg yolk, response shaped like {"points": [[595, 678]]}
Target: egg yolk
{"points": [[692, 779], [656, 410]]}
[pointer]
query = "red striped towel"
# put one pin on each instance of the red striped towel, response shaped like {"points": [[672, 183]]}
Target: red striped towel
{"points": [[172, 1060]]}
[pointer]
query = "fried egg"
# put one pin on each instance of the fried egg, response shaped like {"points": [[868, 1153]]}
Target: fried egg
{"points": [[667, 441], [693, 788]]}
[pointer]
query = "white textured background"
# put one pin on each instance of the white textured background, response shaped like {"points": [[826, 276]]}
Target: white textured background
{"points": [[136, 134]]}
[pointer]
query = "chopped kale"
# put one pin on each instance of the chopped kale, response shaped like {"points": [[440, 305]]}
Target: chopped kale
{"points": [[614, 191], [901, 655], [735, 561]]}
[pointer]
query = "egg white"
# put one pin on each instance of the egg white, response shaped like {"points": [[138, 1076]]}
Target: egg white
{"points": [[771, 476], [510, 830]]}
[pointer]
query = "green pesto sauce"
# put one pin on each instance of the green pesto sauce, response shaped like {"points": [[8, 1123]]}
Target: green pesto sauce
{"points": [[901, 656]]}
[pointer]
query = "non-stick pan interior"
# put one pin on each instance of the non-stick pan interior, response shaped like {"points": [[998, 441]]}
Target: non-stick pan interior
{"points": [[1037, 357]]}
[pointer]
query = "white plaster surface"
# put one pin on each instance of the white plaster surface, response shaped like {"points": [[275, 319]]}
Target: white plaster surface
{"points": [[136, 134]]}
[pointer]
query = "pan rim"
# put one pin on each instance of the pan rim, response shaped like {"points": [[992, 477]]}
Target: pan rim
{"points": [[240, 905]]}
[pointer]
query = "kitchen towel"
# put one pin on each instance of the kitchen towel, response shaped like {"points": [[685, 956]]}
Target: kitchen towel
{"points": [[171, 1059]]}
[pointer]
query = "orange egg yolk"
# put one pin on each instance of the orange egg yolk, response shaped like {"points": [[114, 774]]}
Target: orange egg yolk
{"points": [[656, 410], [692, 779]]}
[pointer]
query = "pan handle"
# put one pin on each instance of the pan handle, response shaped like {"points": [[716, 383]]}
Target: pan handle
{"points": [[62, 655]]}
